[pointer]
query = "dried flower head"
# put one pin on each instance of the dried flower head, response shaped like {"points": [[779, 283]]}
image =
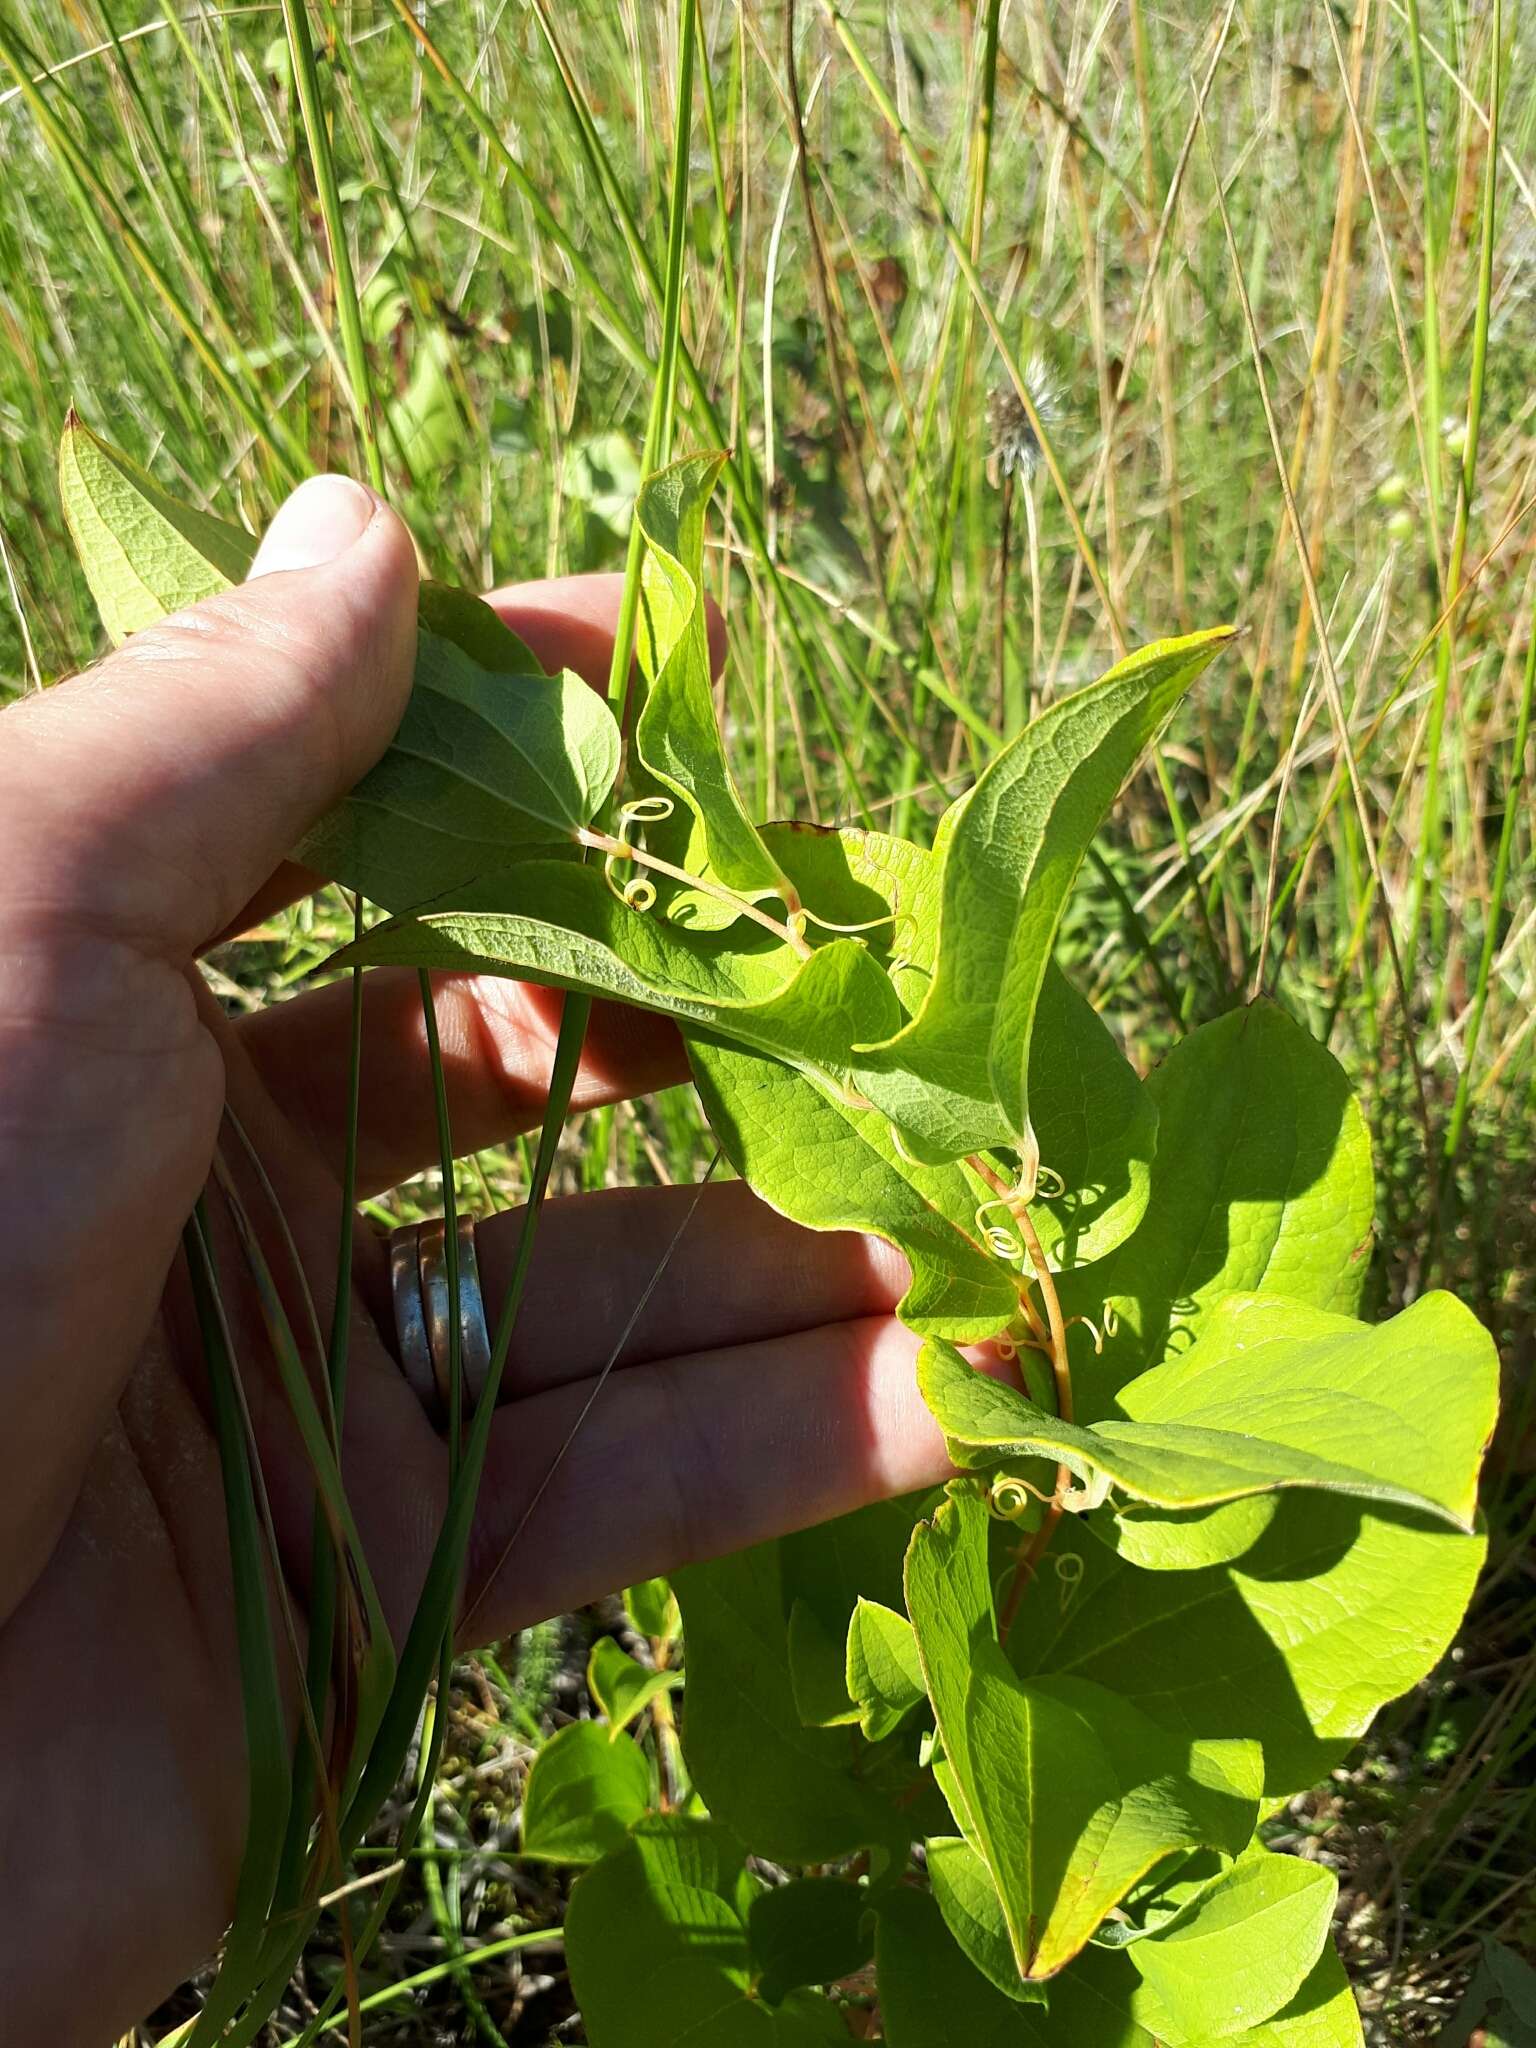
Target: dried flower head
{"points": [[1014, 447]]}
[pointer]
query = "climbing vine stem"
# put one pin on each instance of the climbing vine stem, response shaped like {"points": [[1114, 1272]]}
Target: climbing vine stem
{"points": [[1049, 1336]]}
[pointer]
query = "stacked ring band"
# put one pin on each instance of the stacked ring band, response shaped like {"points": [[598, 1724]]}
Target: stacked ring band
{"points": [[418, 1270]]}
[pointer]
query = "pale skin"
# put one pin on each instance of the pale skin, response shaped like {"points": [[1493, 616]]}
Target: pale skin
{"points": [[145, 810]]}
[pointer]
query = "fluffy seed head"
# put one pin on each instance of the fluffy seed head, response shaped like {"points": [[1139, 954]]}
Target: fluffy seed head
{"points": [[1014, 447]]}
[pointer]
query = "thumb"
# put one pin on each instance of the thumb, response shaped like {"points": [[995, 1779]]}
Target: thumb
{"points": [[152, 796]]}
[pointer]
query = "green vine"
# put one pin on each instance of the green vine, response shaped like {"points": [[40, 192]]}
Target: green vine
{"points": [[1031, 1797]]}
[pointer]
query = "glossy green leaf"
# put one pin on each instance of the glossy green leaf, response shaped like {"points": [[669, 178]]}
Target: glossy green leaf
{"points": [[1411, 1402], [584, 1793], [623, 1687], [973, 1912], [1186, 1540], [1096, 1123], [1327, 1607], [884, 889], [1323, 2014], [1262, 1182], [1069, 1793], [1242, 1949], [1106, 2003], [957, 1078], [798, 1794], [575, 933], [677, 735], [144, 554], [484, 770], [492, 757], [652, 1606], [1336, 1609], [657, 1943], [883, 1672], [812, 1931], [833, 1167], [1084, 1795], [1272, 1394]]}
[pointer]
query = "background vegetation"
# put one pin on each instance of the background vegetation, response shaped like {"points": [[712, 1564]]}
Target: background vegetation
{"points": [[1324, 292]]}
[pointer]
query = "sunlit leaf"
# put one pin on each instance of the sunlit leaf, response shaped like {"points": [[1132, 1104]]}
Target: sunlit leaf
{"points": [[677, 735], [1242, 1949], [622, 1687], [1272, 1394], [1069, 1793], [1262, 1183], [956, 1079], [143, 552], [583, 1795], [973, 1912], [574, 932], [883, 1673], [1334, 1610], [652, 1606], [831, 1166]]}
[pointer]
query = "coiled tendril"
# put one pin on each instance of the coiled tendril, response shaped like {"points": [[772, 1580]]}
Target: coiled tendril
{"points": [[639, 892], [1001, 1241], [1010, 1497]]}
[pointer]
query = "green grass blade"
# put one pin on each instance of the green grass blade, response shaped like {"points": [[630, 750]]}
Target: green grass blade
{"points": [[266, 1734]]}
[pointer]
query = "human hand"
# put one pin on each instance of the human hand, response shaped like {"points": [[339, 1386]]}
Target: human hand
{"points": [[145, 809]]}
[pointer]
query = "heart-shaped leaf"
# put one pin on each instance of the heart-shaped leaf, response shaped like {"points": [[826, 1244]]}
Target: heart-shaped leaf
{"points": [[1262, 1183], [485, 770], [1335, 1609]]}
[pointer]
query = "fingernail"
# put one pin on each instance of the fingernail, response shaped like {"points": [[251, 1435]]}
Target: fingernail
{"points": [[320, 521]]}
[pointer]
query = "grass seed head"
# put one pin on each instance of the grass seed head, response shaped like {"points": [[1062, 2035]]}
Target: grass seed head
{"points": [[1013, 445]]}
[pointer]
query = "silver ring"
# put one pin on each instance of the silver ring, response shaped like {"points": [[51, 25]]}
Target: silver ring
{"points": [[418, 1269]]}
